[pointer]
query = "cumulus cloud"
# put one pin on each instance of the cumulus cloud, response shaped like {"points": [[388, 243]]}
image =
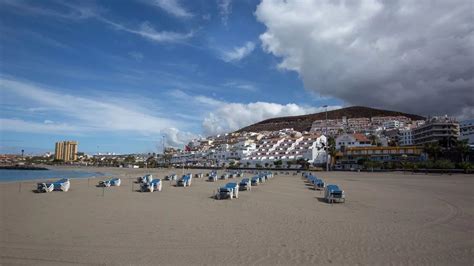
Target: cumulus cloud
{"points": [[177, 138], [238, 53], [173, 7], [414, 56], [232, 116]]}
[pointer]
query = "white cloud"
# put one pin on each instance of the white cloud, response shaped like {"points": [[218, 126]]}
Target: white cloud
{"points": [[225, 9], [147, 31], [233, 116], [81, 12], [86, 115], [413, 56], [241, 85], [238, 53], [173, 7]]}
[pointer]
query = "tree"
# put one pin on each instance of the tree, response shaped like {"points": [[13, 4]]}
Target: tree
{"points": [[331, 149], [266, 165], [129, 159], [247, 164], [258, 165], [278, 163], [432, 149], [462, 147]]}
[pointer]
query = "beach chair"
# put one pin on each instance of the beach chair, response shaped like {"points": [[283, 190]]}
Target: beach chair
{"points": [[235, 189], [156, 184], [114, 182], [146, 187], [334, 194], [318, 184], [255, 181], [223, 193], [62, 185], [184, 181], [245, 184], [44, 187], [212, 177]]}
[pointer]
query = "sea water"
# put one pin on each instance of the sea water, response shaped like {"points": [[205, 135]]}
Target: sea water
{"points": [[7, 175]]}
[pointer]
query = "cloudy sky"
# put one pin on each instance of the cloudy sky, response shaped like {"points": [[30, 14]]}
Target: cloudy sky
{"points": [[119, 75]]}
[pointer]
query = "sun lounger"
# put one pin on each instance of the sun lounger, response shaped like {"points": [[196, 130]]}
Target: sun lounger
{"points": [[212, 177], [114, 182], [223, 193], [62, 185], [184, 181], [145, 179], [146, 187], [235, 189], [245, 184], [156, 184], [44, 187], [255, 181], [334, 194]]}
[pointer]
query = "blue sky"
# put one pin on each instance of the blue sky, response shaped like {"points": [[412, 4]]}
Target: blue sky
{"points": [[198, 56], [118, 75]]}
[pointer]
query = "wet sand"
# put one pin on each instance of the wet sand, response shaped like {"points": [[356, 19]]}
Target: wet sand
{"points": [[388, 218]]}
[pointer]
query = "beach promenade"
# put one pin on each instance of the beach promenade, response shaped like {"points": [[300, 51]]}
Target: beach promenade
{"points": [[388, 218]]}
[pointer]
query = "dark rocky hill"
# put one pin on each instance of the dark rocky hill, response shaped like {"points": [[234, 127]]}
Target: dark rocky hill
{"points": [[303, 122]]}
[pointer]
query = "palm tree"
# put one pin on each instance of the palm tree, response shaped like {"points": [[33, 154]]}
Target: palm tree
{"points": [[432, 149], [462, 147]]}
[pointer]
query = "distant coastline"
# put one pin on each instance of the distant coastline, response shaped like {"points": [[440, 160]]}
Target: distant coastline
{"points": [[22, 167]]}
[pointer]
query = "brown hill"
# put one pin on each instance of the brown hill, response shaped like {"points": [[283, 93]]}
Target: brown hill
{"points": [[303, 122]]}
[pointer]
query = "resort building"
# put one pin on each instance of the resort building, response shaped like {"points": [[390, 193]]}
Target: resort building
{"points": [[352, 140], [66, 151], [309, 146], [392, 124], [352, 157], [467, 131], [405, 137], [441, 129]]}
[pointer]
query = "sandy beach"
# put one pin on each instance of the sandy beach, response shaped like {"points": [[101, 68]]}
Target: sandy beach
{"points": [[388, 218]]}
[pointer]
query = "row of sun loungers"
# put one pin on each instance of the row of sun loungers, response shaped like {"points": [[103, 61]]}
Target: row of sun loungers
{"points": [[231, 190], [332, 193]]}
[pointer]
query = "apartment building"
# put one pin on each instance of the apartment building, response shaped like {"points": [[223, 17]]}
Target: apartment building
{"points": [[440, 129], [66, 151]]}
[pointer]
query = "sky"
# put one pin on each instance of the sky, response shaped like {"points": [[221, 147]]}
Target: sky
{"points": [[126, 76]]}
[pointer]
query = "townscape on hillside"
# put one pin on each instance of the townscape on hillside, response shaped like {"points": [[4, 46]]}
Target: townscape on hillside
{"points": [[339, 144]]}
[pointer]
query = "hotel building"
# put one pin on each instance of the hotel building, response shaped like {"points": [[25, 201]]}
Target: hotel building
{"points": [[66, 151]]}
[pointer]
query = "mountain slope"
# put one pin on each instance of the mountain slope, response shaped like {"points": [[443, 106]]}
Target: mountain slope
{"points": [[303, 122]]}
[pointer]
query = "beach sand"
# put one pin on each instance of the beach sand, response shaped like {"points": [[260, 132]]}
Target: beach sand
{"points": [[388, 218]]}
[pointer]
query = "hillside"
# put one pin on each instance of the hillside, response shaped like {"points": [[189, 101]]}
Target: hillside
{"points": [[303, 122]]}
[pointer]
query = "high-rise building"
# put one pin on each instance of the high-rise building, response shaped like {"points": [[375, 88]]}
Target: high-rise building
{"points": [[66, 151], [438, 129]]}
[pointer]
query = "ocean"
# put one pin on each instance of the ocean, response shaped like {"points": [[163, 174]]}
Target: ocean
{"points": [[7, 175]]}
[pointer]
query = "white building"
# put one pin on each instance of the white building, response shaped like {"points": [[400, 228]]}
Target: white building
{"points": [[392, 124], [352, 140], [467, 131], [308, 147], [405, 137]]}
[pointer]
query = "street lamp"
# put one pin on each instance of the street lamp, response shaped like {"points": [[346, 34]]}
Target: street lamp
{"points": [[326, 133]]}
